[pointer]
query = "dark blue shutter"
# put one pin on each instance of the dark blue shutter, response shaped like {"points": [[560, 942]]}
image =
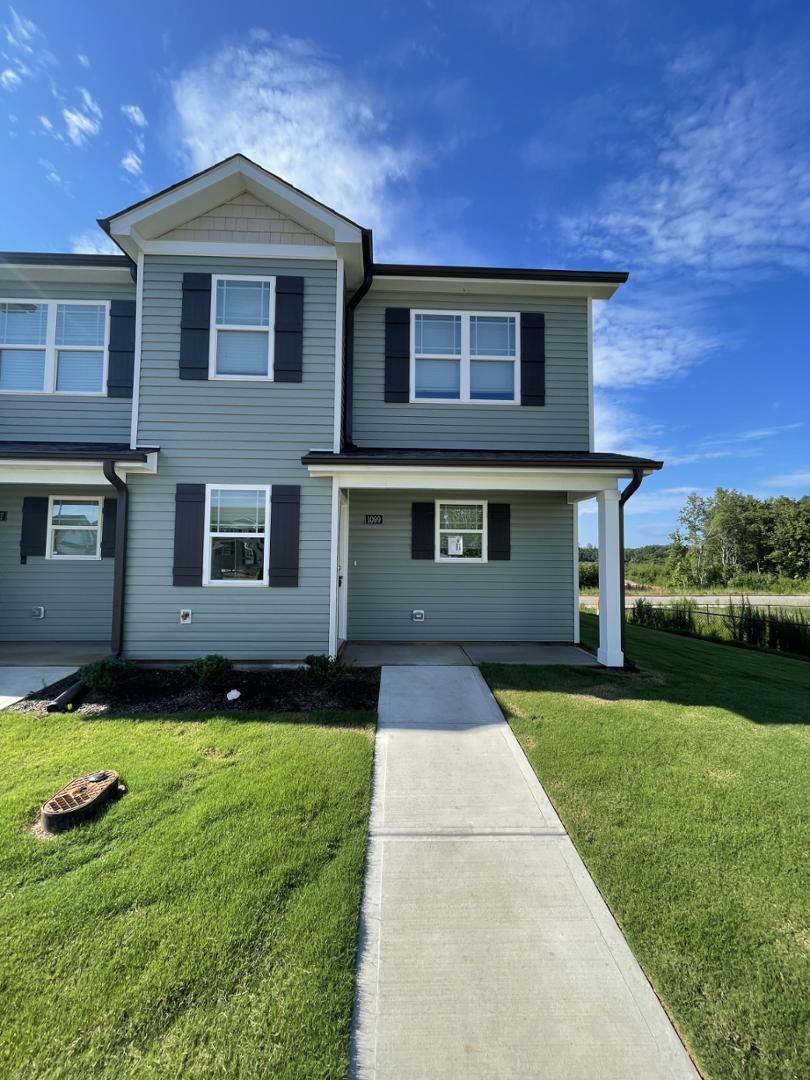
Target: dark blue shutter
{"points": [[532, 358], [288, 344], [121, 355], [189, 533], [195, 326], [397, 354], [34, 532], [499, 545], [285, 515], [423, 535], [108, 528]]}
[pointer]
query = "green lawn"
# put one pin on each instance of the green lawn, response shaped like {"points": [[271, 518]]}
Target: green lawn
{"points": [[686, 789], [205, 925]]}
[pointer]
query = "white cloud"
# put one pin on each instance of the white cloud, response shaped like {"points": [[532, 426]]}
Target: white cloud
{"points": [[52, 175], [93, 243], [290, 109], [726, 187], [84, 121], [9, 79], [799, 479], [134, 113], [83, 60], [46, 123], [132, 163]]}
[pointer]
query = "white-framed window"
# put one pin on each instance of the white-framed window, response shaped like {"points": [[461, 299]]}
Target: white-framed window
{"points": [[242, 324], [237, 534], [74, 527], [465, 356], [54, 346], [461, 531]]}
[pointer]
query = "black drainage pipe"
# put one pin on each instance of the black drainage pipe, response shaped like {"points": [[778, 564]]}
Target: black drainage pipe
{"points": [[120, 567]]}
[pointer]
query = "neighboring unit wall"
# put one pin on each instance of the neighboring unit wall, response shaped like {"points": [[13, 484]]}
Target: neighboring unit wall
{"points": [[234, 433], [528, 597], [561, 424], [76, 595], [245, 220], [64, 417]]}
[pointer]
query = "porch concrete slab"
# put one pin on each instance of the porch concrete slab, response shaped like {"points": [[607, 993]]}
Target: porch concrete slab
{"points": [[527, 652], [16, 682], [376, 654], [37, 653], [486, 950]]}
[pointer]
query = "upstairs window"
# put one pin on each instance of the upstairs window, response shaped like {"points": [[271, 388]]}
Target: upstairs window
{"points": [[74, 528], [53, 346], [465, 357], [237, 531], [241, 328]]}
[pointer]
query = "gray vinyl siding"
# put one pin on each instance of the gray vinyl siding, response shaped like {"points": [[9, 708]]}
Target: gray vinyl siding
{"points": [[233, 433], [64, 417], [528, 597], [77, 595], [561, 424]]}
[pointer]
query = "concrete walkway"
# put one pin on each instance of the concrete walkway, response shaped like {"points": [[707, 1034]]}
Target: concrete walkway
{"points": [[486, 951], [16, 682]]}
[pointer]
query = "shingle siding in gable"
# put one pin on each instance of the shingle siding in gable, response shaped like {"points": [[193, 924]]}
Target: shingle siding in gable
{"points": [[244, 220], [64, 417], [235, 433], [561, 424]]}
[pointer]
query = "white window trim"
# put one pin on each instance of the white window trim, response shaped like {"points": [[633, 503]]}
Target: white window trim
{"points": [[438, 557], [208, 535], [465, 359], [216, 330], [98, 529], [52, 349]]}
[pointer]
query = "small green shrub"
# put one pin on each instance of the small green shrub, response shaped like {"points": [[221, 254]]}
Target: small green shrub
{"points": [[106, 675], [323, 671], [210, 671], [588, 575]]}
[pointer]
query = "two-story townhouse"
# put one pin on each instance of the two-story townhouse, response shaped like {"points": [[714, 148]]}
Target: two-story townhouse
{"points": [[245, 436]]}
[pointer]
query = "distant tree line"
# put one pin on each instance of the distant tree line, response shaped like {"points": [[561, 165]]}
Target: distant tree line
{"points": [[726, 540]]}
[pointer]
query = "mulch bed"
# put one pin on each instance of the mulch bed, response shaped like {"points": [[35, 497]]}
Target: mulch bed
{"points": [[170, 690]]}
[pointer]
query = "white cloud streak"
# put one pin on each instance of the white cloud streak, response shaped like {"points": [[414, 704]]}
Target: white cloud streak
{"points": [[135, 115], [92, 243], [289, 108], [132, 163], [9, 79], [83, 121]]}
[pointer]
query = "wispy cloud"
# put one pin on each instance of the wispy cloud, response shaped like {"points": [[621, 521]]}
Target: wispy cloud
{"points": [[52, 174], [800, 479], [82, 121], [9, 79], [84, 60], [132, 163], [25, 52], [93, 243], [135, 115], [726, 187], [290, 108]]}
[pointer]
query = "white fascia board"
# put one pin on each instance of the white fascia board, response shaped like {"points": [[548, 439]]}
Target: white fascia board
{"points": [[225, 249], [102, 275], [493, 287], [88, 473], [434, 478], [220, 184]]}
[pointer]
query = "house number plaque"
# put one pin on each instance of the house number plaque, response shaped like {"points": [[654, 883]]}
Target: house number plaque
{"points": [[374, 519]]}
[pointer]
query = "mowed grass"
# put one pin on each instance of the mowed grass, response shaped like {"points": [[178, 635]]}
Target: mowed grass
{"points": [[686, 789], [205, 924]]}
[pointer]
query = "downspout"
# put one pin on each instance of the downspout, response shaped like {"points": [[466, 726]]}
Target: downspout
{"points": [[351, 304], [629, 491], [120, 561]]}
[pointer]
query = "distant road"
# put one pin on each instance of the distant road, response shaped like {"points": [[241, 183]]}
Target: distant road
{"points": [[712, 599]]}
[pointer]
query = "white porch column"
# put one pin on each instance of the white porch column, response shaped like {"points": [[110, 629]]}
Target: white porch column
{"points": [[610, 569]]}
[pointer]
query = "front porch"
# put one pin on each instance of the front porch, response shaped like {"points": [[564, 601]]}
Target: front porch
{"points": [[446, 549], [463, 653]]}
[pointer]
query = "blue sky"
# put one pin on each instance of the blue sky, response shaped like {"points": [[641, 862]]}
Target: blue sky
{"points": [[669, 140]]}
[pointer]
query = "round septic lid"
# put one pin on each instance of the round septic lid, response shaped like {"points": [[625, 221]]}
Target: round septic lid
{"points": [[80, 795]]}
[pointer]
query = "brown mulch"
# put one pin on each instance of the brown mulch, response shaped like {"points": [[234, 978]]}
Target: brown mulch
{"points": [[171, 690]]}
